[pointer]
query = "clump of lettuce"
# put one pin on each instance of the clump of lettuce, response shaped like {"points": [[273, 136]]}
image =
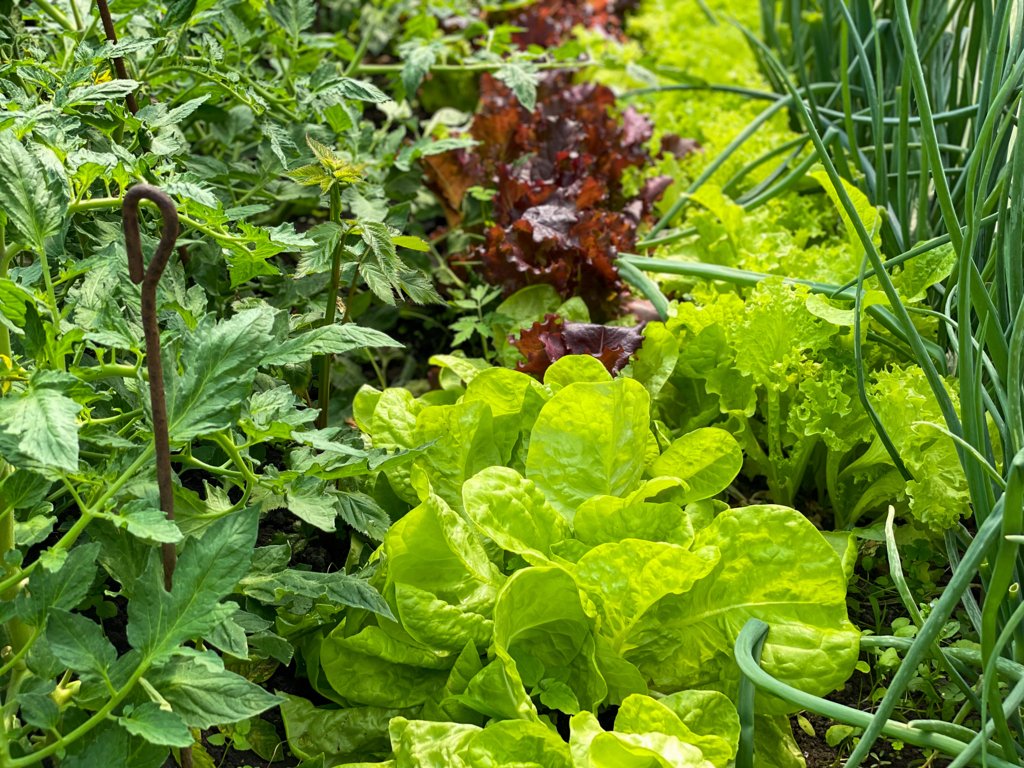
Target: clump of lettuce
{"points": [[561, 559], [777, 369]]}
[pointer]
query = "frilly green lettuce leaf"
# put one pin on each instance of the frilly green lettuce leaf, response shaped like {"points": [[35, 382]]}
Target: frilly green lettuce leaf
{"points": [[705, 355], [865, 211], [776, 330], [905, 404], [923, 271]]}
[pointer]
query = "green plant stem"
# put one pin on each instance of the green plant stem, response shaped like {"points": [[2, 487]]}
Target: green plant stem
{"points": [[110, 203], [357, 57], [87, 516], [109, 371], [51, 299], [76, 14], [5, 334], [19, 636], [755, 631], [15, 660], [330, 311], [7, 712], [226, 444], [1002, 576], [56, 14], [101, 714], [94, 204]]}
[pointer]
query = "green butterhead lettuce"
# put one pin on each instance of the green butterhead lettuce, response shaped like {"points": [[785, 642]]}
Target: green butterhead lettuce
{"points": [[573, 369], [441, 579], [540, 621], [497, 691], [774, 566], [593, 747], [509, 510], [596, 568], [609, 519], [424, 744], [363, 673], [590, 439], [515, 400], [463, 442], [707, 460], [718, 742], [627, 578], [712, 719]]}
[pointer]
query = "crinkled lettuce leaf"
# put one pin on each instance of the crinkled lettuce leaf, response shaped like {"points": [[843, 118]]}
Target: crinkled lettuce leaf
{"points": [[594, 747], [540, 621], [627, 578], [425, 744], [513, 513], [776, 567], [590, 439]]}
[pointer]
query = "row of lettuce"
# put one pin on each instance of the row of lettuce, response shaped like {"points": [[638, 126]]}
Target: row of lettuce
{"points": [[564, 585], [566, 555], [534, 569]]}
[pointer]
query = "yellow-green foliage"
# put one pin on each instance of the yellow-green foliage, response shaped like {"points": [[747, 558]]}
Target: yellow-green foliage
{"points": [[678, 42], [775, 362]]}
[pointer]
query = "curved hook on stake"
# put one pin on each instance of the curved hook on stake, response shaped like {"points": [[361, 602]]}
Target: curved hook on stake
{"points": [[132, 241], [149, 277]]}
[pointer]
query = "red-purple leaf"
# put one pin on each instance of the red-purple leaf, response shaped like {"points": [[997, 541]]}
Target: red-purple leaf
{"points": [[547, 341]]}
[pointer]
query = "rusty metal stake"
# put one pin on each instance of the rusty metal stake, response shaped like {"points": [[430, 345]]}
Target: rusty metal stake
{"points": [[149, 277], [111, 34]]}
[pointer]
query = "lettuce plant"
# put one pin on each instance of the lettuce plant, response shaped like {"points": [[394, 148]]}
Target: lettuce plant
{"points": [[778, 369], [562, 560]]}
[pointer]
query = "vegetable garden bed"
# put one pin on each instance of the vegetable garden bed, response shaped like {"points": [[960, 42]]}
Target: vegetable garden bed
{"points": [[558, 383]]}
